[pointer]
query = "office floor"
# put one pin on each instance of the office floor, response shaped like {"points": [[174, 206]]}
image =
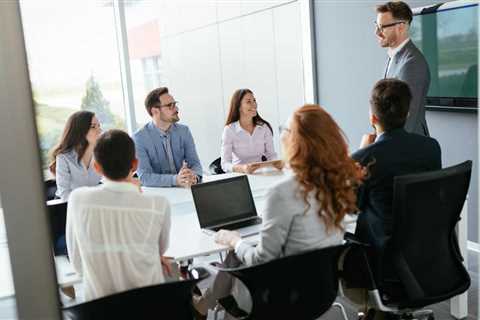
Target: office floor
{"points": [[442, 310]]}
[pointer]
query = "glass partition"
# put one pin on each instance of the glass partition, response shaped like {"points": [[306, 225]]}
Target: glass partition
{"points": [[7, 291], [73, 63]]}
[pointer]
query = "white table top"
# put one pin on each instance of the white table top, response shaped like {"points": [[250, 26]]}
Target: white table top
{"points": [[187, 240]]}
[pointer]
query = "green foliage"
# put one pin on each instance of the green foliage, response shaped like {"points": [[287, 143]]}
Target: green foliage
{"points": [[50, 123], [51, 119], [94, 101]]}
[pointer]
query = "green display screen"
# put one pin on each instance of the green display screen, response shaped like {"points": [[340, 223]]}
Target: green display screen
{"points": [[449, 41]]}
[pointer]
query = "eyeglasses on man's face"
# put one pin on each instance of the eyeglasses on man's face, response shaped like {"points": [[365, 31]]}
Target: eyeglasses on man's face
{"points": [[171, 106], [381, 28]]}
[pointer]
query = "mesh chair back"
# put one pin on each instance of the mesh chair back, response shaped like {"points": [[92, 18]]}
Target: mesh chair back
{"points": [[425, 254], [215, 167], [50, 189], [301, 286], [171, 300], [57, 210]]}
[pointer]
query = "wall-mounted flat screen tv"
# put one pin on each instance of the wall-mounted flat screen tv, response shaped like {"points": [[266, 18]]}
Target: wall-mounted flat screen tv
{"points": [[447, 34]]}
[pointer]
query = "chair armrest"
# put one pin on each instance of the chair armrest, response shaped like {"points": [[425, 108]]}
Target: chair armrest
{"points": [[198, 273], [231, 306], [354, 267], [350, 238]]}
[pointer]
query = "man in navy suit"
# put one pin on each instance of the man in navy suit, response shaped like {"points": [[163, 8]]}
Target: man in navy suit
{"points": [[390, 152]]}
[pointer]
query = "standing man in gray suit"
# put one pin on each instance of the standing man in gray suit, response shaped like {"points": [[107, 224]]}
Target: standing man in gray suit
{"points": [[405, 61]]}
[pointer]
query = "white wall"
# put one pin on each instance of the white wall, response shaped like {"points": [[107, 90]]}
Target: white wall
{"points": [[349, 62], [230, 45]]}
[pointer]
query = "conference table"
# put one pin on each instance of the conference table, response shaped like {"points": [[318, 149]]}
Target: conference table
{"points": [[188, 241]]}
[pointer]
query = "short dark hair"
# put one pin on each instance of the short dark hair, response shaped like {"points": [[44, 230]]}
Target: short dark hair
{"points": [[390, 103], [115, 152], [399, 10], [153, 97]]}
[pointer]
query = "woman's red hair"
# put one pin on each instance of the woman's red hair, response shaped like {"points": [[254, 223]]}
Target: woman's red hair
{"points": [[318, 155]]}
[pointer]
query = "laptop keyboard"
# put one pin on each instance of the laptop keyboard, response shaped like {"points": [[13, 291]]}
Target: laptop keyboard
{"points": [[241, 224]]}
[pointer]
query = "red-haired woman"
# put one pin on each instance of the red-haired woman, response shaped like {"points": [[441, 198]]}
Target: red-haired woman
{"points": [[306, 209]]}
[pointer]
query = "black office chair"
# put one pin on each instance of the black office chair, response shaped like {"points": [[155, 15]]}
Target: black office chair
{"points": [[171, 300], [215, 167], [301, 286], [50, 189], [423, 253], [57, 210]]}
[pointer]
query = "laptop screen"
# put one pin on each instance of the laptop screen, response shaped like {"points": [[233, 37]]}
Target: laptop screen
{"points": [[223, 201]]}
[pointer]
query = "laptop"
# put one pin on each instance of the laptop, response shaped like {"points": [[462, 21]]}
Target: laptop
{"points": [[226, 204]]}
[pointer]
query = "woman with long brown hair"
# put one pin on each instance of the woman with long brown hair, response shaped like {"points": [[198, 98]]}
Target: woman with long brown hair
{"points": [[306, 209], [71, 159], [247, 138]]}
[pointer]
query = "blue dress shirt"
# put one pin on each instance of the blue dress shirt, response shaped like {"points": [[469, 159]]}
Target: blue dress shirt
{"points": [[155, 167]]}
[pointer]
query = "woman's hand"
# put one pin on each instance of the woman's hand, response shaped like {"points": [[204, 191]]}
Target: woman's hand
{"points": [[250, 167], [246, 168], [278, 164], [227, 238]]}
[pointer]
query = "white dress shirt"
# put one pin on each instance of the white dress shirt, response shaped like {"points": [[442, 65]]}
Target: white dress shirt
{"points": [[241, 147], [115, 237]]}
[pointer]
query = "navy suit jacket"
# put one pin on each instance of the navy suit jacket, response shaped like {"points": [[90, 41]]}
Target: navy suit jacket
{"points": [[395, 153]]}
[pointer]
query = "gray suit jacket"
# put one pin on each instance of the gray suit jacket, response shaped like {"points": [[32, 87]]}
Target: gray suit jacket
{"points": [[409, 65], [289, 226]]}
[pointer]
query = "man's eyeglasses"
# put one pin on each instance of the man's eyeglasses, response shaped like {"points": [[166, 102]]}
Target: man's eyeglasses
{"points": [[171, 105], [381, 28]]}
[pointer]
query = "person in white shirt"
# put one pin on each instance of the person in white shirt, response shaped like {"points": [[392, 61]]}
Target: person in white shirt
{"points": [[116, 236], [247, 138], [303, 212]]}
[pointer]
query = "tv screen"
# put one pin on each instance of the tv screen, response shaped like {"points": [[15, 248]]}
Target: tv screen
{"points": [[447, 35]]}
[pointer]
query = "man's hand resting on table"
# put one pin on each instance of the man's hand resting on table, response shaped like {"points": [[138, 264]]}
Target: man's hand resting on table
{"points": [[186, 177]]}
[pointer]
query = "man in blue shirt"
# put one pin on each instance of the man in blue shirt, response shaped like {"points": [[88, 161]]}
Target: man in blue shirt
{"points": [[165, 149]]}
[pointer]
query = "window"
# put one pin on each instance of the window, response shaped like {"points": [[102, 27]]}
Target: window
{"points": [[73, 63], [151, 72]]}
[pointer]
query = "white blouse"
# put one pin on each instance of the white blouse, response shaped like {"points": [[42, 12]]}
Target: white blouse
{"points": [[241, 147]]}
